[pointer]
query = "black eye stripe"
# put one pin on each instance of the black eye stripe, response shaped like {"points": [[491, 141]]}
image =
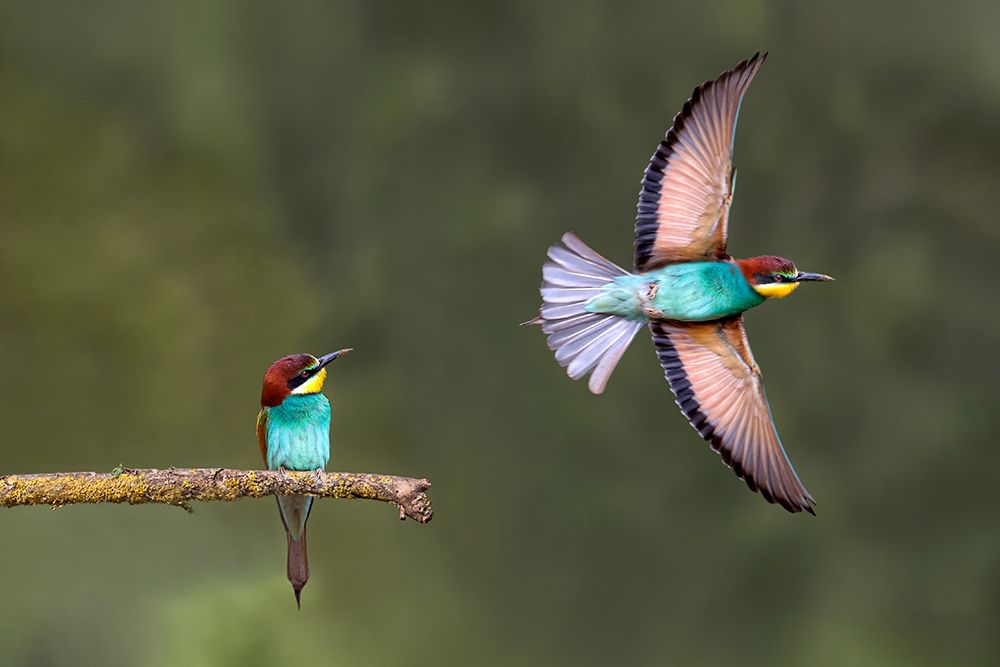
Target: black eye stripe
{"points": [[298, 380], [768, 278]]}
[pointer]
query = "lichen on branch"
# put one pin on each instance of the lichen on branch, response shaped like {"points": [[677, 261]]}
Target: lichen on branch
{"points": [[181, 486]]}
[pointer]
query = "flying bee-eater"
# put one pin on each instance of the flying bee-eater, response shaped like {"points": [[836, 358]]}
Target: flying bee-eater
{"points": [[293, 431], [688, 290]]}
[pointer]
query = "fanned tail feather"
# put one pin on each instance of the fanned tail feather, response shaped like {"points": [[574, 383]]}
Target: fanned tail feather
{"points": [[584, 342]]}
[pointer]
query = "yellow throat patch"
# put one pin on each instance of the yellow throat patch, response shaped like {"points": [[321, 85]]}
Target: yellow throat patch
{"points": [[313, 385], [775, 290]]}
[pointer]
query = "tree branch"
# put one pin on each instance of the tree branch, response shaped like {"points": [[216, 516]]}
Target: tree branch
{"points": [[179, 486]]}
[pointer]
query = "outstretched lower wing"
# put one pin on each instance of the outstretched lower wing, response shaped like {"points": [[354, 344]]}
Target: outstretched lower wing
{"points": [[262, 433], [683, 210], [718, 388]]}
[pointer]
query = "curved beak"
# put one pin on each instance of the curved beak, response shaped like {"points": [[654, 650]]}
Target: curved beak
{"points": [[327, 358], [817, 277]]}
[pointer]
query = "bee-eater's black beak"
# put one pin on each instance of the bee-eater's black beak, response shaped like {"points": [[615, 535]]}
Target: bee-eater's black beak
{"points": [[327, 358], [817, 277]]}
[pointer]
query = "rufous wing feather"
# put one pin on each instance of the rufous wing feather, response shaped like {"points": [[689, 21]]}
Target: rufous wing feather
{"points": [[687, 189], [262, 434], [718, 387]]}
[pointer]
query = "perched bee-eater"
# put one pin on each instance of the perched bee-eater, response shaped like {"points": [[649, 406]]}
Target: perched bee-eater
{"points": [[293, 431], [688, 290]]}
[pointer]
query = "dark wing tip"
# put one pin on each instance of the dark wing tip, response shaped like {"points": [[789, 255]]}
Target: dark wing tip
{"points": [[795, 506], [793, 500], [751, 65], [789, 494]]}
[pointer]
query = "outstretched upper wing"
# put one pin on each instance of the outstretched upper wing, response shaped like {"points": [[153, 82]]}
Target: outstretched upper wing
{"points": [[687, 188], [718, 388], [262, 433]]}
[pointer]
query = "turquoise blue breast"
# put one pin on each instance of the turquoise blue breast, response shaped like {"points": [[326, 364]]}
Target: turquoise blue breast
{"points": [[298, 433], [701, 291], [690, 292]]}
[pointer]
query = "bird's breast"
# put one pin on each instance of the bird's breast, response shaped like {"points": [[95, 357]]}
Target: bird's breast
{"points": [[298, 433], [696, 292]]}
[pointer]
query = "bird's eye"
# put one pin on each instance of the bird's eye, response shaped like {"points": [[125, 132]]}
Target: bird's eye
{"points": [[778, 278], [304, 374]]}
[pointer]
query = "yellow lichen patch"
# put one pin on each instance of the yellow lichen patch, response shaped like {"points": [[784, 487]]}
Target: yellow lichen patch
{"points": [[364, 490], [252, 486]]}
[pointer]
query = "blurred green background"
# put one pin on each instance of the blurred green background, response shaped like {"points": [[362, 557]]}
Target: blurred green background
{"points": [[188, 192]]}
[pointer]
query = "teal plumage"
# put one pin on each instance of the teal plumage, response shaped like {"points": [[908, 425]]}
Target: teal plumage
{"points": [[298, 433], [691, 292], [293, 432]]}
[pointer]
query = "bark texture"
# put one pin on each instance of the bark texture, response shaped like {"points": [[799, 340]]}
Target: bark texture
{"points": [[180, 486]]}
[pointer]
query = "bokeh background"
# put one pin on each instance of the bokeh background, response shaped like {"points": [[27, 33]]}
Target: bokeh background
{"points": [[190, 190]]}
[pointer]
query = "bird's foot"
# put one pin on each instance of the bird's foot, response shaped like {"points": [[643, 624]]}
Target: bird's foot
{"points": [[318, 475]]}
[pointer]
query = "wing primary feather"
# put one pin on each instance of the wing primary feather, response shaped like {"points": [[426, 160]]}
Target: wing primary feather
{"points": [[717, 386], [683, 208]]}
